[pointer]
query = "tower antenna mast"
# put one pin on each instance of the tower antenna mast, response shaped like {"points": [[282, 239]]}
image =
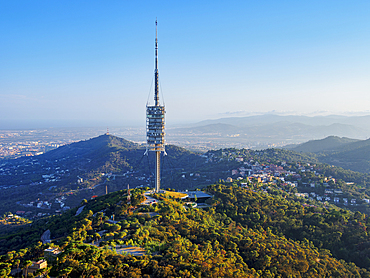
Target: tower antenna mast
{"points": [[156, 74], [155, 121]]}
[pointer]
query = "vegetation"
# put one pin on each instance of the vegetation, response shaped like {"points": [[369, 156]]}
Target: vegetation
{"points": [[343, 233], [176, 195], [244, 234], [13, 220]]}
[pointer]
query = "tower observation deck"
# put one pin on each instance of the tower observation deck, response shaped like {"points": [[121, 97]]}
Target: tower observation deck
{"points": [[155, 122]]}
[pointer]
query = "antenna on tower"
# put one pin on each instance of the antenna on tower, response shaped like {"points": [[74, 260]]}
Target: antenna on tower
{"points": [[107, 131], [156, 74], [155, 120]]}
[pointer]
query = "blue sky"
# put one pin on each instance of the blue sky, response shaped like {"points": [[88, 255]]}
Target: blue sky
{"points": [[91, 63]]}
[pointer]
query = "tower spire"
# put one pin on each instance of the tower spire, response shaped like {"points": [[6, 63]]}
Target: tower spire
{"points": [[156, 74]]}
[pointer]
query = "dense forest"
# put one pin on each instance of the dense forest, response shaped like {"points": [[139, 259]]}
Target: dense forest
{"points": [[243, 233], [342, 232]]}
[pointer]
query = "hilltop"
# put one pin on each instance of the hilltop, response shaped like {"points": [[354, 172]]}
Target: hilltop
{"points": [[329, 143], [82, 169], [343, 152], [354, 156], [97, 153]]}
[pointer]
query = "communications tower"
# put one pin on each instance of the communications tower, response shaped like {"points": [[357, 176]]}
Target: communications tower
{"points": [[155, 122]]}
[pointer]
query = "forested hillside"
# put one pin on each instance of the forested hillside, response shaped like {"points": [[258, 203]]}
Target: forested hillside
{"points": [[343, 152], [243, 234], [78, 170], [340, 231]]}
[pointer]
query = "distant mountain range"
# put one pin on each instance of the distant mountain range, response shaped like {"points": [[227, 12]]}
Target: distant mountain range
{"points": [[273, 130], [362, 122]]}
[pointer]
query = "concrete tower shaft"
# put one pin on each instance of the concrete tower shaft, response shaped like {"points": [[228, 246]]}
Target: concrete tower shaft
{"points": [[155, 121]]}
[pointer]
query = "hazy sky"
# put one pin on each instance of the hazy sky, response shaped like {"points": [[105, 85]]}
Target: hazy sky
{"points": [[91, 62]]}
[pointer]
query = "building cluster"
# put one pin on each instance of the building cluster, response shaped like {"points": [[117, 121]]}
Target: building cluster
{"points": [[49, 172], [252, 170], [46, 172], [329, 197], [56, 205], [303, 177]]}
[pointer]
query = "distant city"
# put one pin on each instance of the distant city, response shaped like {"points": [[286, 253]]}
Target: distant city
{"points": [[32, 142]]}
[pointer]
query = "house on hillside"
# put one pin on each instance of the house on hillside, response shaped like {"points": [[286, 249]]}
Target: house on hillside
{"points": [[41, 264]]}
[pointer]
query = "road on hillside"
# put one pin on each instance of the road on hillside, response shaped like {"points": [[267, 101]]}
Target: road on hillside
{"points": [[149, 200], [45, 238], [79, 210]]}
